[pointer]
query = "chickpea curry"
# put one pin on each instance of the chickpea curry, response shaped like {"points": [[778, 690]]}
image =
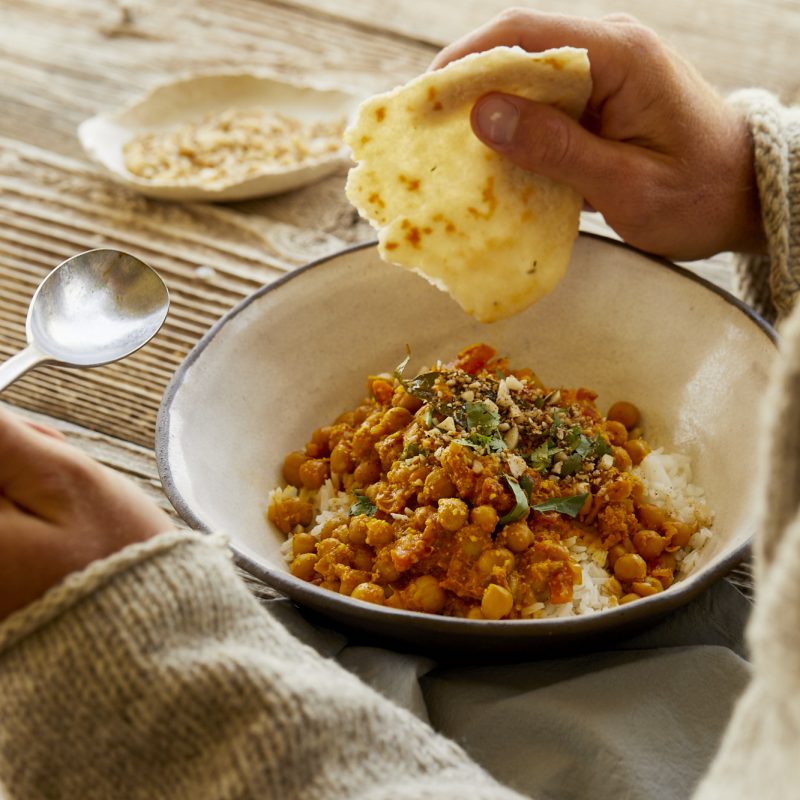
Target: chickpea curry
{"points": [[473, 490]]}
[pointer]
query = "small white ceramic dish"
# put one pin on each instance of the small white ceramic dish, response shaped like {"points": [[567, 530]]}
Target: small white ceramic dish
{"points": [[191, 99], [296, 354]]}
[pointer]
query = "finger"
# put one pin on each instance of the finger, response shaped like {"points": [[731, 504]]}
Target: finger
{"points": [[605, 40], [47, 430], [547, 141], [33, 466]]}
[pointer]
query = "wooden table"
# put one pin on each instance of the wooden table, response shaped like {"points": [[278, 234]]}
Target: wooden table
{"points": [[65, 60]]}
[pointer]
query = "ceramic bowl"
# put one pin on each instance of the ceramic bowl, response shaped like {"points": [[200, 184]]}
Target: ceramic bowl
{"points": [[191, 99], [296, 353]]}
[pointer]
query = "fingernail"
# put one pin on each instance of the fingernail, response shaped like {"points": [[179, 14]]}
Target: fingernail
{"points": [[497, 119]]}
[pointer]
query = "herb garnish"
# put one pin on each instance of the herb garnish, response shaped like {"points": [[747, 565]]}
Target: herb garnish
{"points": [[570, 506], [363, 505], [520, 506], [541, 458], [422, 386]]}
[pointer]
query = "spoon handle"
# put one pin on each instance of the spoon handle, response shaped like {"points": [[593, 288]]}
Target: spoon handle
{"points": [[18, 365]]}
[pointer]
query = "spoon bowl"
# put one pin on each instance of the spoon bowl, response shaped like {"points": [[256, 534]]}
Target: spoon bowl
{"points": [[94, 308]]}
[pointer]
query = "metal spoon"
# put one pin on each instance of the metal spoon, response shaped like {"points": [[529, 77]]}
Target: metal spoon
{"points": [[92, 309]]}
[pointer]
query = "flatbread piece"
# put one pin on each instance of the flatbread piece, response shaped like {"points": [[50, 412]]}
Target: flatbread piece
{"points": [[495, 236]]}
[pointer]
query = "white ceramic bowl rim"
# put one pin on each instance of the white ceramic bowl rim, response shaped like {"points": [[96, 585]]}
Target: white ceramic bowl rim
{"points": [[678, 595]]}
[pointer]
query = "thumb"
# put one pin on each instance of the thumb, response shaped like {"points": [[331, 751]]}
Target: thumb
{"points": [[543, 139]]}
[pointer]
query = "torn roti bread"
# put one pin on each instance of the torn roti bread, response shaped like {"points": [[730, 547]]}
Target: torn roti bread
{"points": [[494, 235]]}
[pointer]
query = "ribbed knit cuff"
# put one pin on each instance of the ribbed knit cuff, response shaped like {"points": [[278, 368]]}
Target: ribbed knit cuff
{"points": [[75, 587], [771, 284]]}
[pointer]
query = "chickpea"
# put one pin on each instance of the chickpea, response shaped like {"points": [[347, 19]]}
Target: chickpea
{"points": [[678, 534], [314, 472], [485, 517], [496, 602], [291, 467], [618, 489], [497, 558], [628, 598], [649, 544], [453, 513], [363, 557], [637, 450], [519, 537], [438, 485], [613, 587], [615, 553], [421, 516], [622, 461], [650, 516], [321, 437], [384, 570], [379, 532], [367, 472], [358, 529], [617, 433], [471, 547], [425, 593], [630, 567], [341, 458], [475, 613], [303, 543], [625, 413], [369, 593], [339, 433], [395, 419], [647, 587], [303, 566]]}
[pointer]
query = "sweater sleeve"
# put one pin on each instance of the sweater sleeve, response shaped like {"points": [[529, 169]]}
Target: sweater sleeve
{"points": [[155, 670], [770, 282], [758, 755]]}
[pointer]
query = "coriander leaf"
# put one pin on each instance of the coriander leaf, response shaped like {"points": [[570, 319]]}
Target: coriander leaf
{"points": [[583, 446], [479, 441], [541, 458], [601, 447], [422, 386], [520, 506], [570, 465], [570, 506], [573, 436], [481, 418], [557, 423], [363, 505]]}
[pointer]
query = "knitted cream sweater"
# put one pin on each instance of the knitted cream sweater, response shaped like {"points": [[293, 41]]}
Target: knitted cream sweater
{"points": [[155, 674]]}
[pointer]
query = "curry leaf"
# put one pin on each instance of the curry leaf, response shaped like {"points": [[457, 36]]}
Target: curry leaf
{"points": [[422, 386], [521, 502], [570, 506], [400, 368]]}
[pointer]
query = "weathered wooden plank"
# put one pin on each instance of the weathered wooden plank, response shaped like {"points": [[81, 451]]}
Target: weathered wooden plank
{"points": [[734, 43]]}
